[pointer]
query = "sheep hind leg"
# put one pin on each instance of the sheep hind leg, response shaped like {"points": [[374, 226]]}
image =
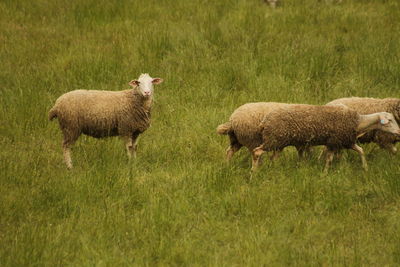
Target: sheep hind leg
{"points": [[360, 151], [131, 145], [256, 156], [69, 139], [233, 147], [275, 154], [328, 159]]}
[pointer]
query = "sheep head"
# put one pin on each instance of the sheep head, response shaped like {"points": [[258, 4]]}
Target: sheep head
{"points": [[145, 84], [388, 123]]}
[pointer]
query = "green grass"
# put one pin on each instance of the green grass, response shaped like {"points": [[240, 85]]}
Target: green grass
{"points": [[179, 203]]}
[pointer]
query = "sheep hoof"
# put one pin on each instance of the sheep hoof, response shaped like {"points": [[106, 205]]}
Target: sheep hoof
{"points": [[253, 169]]}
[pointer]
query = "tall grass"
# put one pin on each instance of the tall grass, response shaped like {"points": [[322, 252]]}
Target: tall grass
{"points": [[179, 203]]}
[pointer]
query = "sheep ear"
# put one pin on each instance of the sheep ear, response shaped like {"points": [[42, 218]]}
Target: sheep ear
{"points": [[157, 80], [134, 83]]}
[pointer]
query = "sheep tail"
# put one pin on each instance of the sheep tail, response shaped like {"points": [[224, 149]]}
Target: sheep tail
{"points": [[52, 114], [224, 128]]}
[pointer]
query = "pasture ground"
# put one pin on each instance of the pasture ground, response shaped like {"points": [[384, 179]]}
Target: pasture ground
{"points": [[179, 203]]}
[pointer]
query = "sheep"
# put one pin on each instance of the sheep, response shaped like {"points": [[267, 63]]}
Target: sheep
{"points": [[335, 126], [365, 105], [272, 3], [243, 127], [105, 113]]}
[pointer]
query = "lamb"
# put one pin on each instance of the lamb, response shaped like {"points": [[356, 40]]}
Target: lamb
{"points": [[243, 127], [365, 105], [105, 113], [335, 126]]}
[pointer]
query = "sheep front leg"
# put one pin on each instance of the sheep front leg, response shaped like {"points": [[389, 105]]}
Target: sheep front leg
{"points": [[360, 151], [389, 147], [131, 145], [323, 153]]}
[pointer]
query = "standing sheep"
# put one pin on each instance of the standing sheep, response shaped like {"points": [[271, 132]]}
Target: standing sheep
{"points": [[105, 113], [243, 127], [365, 105], [335, 126]]}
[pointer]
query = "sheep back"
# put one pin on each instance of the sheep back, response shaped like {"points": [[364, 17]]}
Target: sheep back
{"points": [[298, 125], [102, 113]]}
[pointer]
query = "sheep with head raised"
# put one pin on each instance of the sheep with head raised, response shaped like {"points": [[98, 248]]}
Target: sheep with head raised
{"points": [[335, 126], [105, 113], [366, 105], [243, 127]]}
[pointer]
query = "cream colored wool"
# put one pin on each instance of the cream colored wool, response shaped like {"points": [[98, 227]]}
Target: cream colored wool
{"points": [[105, 113], [102, 113], [243, 126], [364, 105], [334, 126]]}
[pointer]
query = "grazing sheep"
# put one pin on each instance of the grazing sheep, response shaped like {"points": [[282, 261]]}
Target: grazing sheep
{"points": [[335, 126], [364, 105], [243, 127], [105, 113]]}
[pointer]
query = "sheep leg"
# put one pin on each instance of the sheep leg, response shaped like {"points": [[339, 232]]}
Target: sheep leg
{"points": [[67, 156], [390, 147], [328, 159], [275, 155], [338, 154], [323, 153], [360, 151], [70, 138], [131, 145], [233, 147], [256, 155], [272, 3], [303, 149]]}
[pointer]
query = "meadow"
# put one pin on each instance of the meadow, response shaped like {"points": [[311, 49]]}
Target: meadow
{"points": [[180, 203]]}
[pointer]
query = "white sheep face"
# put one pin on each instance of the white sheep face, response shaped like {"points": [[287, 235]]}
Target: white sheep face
{"points": [[145, 84], [388, 123]]}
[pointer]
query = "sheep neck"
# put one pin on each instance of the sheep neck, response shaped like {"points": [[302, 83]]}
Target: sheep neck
{"points": [[367, 123], [146, 102]]}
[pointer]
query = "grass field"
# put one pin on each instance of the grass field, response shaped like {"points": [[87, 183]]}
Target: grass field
{"points": [[179, 202]]}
